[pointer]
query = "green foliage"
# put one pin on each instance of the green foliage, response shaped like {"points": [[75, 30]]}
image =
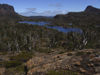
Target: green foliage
{"points": [[80, 53], [43, 50], [22, 57], [61, 72], [10, 64], [20, 68], [69, 54], [19, 37], [17, 60], [88, 22], [61, 52], [27, 37], [74, 41], [15, 70]]}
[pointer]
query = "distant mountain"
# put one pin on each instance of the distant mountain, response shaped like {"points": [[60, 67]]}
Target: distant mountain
{"points": [[91, 16], [91, 9], [40, 17]]}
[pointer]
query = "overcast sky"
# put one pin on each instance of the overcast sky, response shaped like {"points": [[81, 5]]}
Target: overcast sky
{"points": [[49, 7]]}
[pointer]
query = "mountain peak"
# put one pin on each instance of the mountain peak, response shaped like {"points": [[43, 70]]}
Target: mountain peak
{"points": [[91, 9], [90, 6], [6, 9], [8, 13]]}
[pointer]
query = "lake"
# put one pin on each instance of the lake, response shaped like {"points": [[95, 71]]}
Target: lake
{"points": [[59, 28]]}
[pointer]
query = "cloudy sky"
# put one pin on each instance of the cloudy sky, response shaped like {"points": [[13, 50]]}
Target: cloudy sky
{"points": [[49, 7]]}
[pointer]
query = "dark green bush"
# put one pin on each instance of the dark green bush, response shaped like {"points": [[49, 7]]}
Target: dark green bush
{"points": [[69, 54], [10, 64], [23, 56], [61, 72], [20, 68], [80, 53]]}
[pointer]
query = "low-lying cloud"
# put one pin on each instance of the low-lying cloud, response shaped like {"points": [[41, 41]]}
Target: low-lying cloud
{"points": [[31, 9], [34, 12]]}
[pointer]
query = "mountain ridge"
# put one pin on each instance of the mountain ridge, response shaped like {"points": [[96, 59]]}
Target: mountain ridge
{"points": [[92, 9], [90, 16]]}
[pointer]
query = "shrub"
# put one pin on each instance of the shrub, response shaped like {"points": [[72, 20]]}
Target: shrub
{"points": [[69, 54], [61, 52], [23, 56], [80, 53], [61, 72], [20, 68], [10, 64]]}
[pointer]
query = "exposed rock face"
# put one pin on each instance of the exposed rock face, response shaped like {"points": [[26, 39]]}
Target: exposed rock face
{"points": [[88, 63], [6, 10], [8, 15], [91, 9]]}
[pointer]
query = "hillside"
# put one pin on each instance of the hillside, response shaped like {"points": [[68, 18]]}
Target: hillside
{"points": [[80, 62], [90, 16], [8, 14], [91, 9], [84, 62]]}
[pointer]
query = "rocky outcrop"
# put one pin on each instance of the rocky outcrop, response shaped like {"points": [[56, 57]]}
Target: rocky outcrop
{"points": [[6, 9], [88, 63], [8, 14]]}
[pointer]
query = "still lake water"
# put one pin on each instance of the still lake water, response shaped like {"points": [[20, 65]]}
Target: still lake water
{"points": [[59, 28]]}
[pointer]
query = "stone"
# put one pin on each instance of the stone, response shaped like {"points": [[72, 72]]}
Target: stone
{"points": [[97, 69], [83, 70], [2, 71], [78, 63]]}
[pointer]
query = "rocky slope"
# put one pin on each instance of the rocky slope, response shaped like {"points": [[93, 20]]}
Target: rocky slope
{"points": [[81, 62], [85, 62]]}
